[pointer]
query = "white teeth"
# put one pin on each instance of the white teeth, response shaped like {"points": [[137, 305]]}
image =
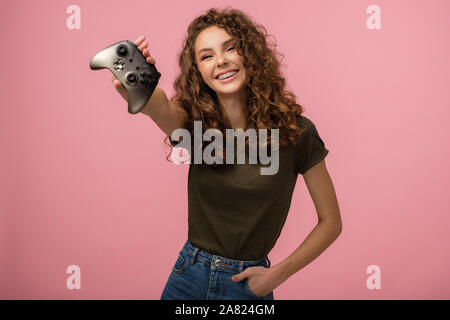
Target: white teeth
{"points": [[227, 75]]}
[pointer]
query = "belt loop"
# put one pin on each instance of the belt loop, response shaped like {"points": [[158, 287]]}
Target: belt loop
{"points": [[268, 266], [194, 254], [241, 266]]}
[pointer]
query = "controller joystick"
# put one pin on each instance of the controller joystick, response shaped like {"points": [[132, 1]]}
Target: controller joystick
{"points": [[131, 78], [122, 50], [123, 59]]}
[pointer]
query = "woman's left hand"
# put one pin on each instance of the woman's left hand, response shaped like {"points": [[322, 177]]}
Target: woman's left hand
{"points": [[261, 280]]}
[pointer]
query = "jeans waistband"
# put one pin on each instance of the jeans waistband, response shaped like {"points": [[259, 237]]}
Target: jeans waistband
{"points": [[219, 262]]}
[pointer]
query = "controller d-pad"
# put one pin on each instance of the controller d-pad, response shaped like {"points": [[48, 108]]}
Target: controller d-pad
{"points": [[119, 64]]}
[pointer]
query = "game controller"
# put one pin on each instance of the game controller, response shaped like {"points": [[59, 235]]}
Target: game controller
{"points": [[129, 65]]}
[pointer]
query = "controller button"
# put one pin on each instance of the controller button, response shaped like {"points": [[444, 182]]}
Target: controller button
{"points": [[122, 50]]}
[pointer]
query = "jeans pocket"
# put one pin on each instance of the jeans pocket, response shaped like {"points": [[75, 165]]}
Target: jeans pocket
{"points": [[250, 290], [181, 264]]}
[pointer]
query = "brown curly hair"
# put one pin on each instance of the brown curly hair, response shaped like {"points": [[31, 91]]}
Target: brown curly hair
{"points": [[269, 104]]}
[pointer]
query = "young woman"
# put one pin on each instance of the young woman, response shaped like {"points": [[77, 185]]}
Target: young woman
{"points": [[235, 214]]}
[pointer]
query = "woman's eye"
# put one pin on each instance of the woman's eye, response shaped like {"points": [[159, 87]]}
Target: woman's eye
{"points": [[203, 58]]}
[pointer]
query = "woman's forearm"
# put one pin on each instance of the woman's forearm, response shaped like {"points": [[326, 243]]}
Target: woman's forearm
{"points": [[320, 238]]}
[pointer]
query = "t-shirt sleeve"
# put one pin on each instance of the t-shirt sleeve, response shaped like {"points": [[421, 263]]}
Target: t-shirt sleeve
{"points": [[310, 148]]}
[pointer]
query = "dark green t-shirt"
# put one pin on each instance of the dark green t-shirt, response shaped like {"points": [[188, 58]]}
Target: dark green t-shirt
{"points": [[236, 212]]}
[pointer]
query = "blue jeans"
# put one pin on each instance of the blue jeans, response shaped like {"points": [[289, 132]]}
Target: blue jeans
{"points": [[198, 275]]}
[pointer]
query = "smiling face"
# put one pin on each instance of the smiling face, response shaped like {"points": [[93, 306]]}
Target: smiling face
{"points": [[215, 54]]}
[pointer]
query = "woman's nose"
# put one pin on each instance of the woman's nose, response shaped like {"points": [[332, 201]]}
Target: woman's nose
{"points": [[221, 60]]}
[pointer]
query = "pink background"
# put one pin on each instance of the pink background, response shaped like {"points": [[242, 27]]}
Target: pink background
{"points": [[85, 183]]}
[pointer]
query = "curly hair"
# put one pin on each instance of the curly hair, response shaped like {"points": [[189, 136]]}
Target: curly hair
{"points": [[269, 104]]}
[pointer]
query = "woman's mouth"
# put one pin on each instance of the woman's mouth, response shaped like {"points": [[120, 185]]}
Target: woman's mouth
{"points": [[230, 76]]}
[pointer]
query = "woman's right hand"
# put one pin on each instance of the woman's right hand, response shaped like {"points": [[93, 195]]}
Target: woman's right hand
{"points": [[143, 47]]}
